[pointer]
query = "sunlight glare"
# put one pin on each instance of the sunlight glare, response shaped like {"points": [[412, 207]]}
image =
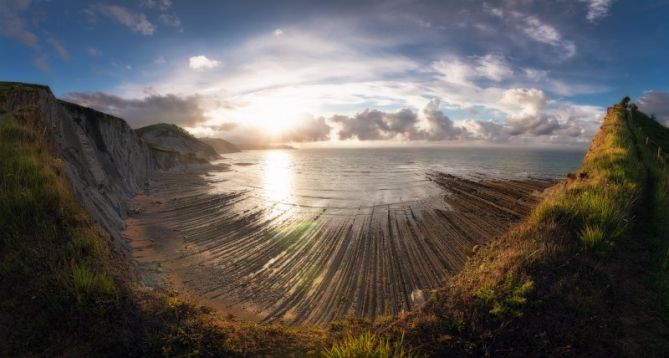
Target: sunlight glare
{"points": [[274, 115], [278, 176]]}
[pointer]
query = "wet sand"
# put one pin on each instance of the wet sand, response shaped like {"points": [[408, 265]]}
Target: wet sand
{"points": [[277, 262]]}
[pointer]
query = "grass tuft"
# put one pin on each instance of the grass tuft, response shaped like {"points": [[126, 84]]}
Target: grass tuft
{"points": [[368, 345]]}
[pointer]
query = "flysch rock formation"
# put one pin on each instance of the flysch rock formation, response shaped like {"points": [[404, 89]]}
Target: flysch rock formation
{"points": [[105, 161]]}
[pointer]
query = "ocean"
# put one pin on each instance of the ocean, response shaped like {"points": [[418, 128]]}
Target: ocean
{"points": [[313, 235], [354, 178]]}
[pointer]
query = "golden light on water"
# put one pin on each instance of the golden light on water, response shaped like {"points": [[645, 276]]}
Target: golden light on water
{"points": [[277, 183]]}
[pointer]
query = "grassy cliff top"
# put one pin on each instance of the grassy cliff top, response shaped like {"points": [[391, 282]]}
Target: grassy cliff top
{"points": [[159, 129]]}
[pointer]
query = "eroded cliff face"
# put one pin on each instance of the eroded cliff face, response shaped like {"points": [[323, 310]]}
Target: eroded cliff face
{"points": [[105, 162]]}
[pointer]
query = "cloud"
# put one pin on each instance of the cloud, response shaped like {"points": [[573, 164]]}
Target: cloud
{"points": [[277, 32], [182, 111], [309, 129], [202, 62], [93, 52], [162, 5], [440, 127], [528, 118], [137, 22], [60, 49], [171, 20], [526, 100], [597, 9], [42, 64], [544, 33], [537, 30], [491, 67], [494, 67], [12, 25], [367, 89], [403, 124], [655, 103]]}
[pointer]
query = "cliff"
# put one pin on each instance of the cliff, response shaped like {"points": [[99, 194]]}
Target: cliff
{"points": [[166, 138], [105, 161]]}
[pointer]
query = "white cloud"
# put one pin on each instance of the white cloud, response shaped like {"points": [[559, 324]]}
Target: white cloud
{"points": [[93, 51], [491, 67], [162, 5], [597, 9], [202, 62], [494, 67], [136, 22], [539, 31], [60, 49], [278, 32], [12, 25], [535, 74], [171, 20], [313, 72]]}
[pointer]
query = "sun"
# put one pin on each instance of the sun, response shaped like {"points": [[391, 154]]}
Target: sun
{"points": [[274, 116]]}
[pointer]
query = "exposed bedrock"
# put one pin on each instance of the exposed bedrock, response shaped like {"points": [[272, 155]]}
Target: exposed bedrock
{"points": [[295, 264], [105, 161]]}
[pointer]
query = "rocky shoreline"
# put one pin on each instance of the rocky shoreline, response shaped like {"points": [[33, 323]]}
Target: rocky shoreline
{"points": [[299, 265]]}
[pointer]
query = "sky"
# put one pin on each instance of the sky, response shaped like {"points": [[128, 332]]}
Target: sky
{"points": [[349, 73]]}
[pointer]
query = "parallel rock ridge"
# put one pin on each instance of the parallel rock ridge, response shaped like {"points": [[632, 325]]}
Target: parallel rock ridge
{"points": [[304, 265]]}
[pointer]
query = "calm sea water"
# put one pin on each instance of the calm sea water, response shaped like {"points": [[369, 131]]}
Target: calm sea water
{"points": [[358, 178]]}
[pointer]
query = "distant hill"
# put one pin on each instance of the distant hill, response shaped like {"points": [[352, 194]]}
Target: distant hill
{"points": [[222, 146], [172, 138]]}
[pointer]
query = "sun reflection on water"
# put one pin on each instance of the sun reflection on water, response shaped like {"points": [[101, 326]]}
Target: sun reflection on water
{"points": [[278, 176]]}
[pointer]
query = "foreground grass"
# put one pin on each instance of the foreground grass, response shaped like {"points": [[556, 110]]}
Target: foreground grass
{"points": [[49, 267], [652, 136]]}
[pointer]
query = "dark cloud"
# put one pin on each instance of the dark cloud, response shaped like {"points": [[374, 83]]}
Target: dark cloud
{"points": [[535, 124], [377, 125], [441, 127], [656, 103], [182, 111], [403, 124], [310, 129], [486, 130]]}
